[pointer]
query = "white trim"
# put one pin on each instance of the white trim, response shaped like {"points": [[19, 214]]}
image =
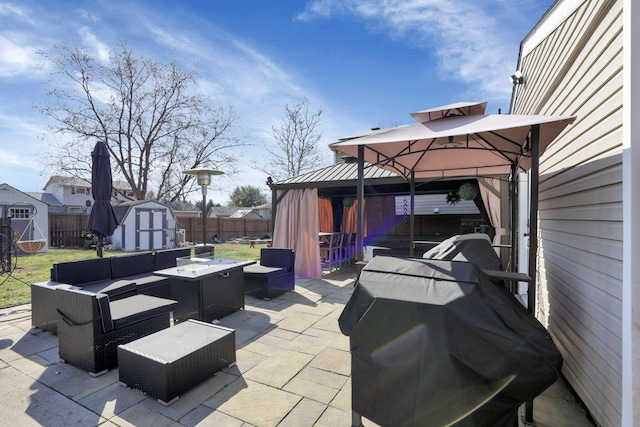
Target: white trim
{"points": [[555, 16], [630, 412]]}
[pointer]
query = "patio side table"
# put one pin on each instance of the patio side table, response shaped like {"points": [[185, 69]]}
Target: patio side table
{"points": [[170, 362]]}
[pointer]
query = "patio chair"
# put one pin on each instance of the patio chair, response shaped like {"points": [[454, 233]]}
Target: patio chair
{"points": [[274, 274], [90, 326]]}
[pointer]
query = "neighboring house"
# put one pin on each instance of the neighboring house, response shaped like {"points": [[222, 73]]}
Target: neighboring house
{"points": [[29, 216], [53, 204], [221, 212], [577, 60], [264, 211], [246, 213], [74, 194], [259, 212], [144, 225]]}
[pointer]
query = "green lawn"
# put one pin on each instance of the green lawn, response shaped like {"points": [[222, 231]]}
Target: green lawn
{"points": [[14, 288]]}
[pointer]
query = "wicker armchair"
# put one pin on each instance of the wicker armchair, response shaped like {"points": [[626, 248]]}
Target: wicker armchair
{"points": [[274, 274], [90, 326]]}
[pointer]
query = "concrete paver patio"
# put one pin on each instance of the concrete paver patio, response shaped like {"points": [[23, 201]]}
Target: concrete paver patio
{"points": [[293, 369]]}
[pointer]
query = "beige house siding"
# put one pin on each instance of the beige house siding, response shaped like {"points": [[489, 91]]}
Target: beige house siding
{"points": [[576, 69]]}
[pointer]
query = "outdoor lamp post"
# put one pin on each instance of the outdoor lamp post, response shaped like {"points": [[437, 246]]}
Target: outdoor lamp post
{"points": [[204, 179]]}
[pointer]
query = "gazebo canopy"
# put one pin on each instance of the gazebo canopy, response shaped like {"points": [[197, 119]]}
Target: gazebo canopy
{"points": [[456, 140], [459, 140]]}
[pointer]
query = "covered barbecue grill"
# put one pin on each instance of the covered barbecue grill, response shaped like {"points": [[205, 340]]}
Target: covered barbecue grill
{"points": [[437, 343]]}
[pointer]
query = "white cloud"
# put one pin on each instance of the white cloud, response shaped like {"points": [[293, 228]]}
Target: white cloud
{"points": [[17, 55], [13, 11], [92, 44], [472, 40]]}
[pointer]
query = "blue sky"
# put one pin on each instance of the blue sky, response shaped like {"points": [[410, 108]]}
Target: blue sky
{"points": [[366, 63]]}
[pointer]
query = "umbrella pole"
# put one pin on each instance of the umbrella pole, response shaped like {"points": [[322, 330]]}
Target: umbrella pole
{"points": [[99, 247]]}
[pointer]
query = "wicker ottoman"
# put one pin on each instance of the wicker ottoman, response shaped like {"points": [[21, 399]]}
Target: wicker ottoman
{"points": [[170, 362]]}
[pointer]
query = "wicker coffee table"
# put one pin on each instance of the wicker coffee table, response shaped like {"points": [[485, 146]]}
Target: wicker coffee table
{"points": [[170, 362]]}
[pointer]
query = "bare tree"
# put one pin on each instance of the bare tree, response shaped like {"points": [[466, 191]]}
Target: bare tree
{"points": [[150, 115], [297, 138]]}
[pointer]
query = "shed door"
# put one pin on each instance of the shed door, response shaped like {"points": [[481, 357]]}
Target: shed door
{"points": [[150, 229]]}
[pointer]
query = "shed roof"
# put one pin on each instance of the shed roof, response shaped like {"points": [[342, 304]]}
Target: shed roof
{"points": [[121, 209]]}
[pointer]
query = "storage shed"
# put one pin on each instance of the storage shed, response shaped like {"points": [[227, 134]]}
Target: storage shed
{"points": [[144, 225], [29, 217]]}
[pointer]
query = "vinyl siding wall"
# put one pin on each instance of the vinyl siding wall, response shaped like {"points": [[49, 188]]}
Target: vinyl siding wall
{"points": [[576, 69]]}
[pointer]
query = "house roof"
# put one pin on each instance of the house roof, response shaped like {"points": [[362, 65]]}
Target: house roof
{"points": [[248, 213], [47, 198], [221, 211], [5, 186], [71, 181]]}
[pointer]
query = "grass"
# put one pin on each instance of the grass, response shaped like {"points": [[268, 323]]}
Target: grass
{"points": [[15, 288]]}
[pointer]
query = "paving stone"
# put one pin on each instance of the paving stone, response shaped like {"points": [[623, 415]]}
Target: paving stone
{"points": [[305, 413], [25, 402], [24, 344], [254, 403], [312, 390], [342, 400], [82, 384], [298, 322], [328, 334], [112, 400], [192, 398], [203, 416], [139, 415], [319, 376], [333, 360], [333, 417], [246, 360], [278, 369]]}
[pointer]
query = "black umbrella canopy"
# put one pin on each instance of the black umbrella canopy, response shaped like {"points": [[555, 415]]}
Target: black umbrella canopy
{"points": [[102, 220]]}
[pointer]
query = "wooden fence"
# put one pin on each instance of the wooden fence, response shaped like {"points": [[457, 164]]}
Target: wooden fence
{"points": [[65, 228], [224, 228]]}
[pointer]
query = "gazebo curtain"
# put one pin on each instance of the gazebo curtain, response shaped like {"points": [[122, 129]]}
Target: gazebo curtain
{"points": [[296, 226], [325, 214], [490, 192], [350, 218]]}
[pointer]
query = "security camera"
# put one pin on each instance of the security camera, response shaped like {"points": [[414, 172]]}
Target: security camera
{"points": [[516, 78]]}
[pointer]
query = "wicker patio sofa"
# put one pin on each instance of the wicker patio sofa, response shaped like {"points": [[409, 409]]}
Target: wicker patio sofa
{"points": [[91, 326], [117, 276]]}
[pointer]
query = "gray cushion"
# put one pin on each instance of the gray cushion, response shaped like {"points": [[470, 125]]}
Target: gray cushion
{"points": [[263, 271], [116, 289], [137, 308], [80, 272], [130, 265], [166, 258]]}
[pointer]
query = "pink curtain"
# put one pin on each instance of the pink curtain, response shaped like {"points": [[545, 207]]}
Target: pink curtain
{"points": [[296, 226], [350, 218], [325, 214], [490, 192]]}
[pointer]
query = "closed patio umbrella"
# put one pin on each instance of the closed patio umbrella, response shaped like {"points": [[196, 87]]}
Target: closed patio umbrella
{"points": [[102, 220]]}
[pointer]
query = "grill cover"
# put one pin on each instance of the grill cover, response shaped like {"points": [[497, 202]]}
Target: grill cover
{"points": [[437, 343]]}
